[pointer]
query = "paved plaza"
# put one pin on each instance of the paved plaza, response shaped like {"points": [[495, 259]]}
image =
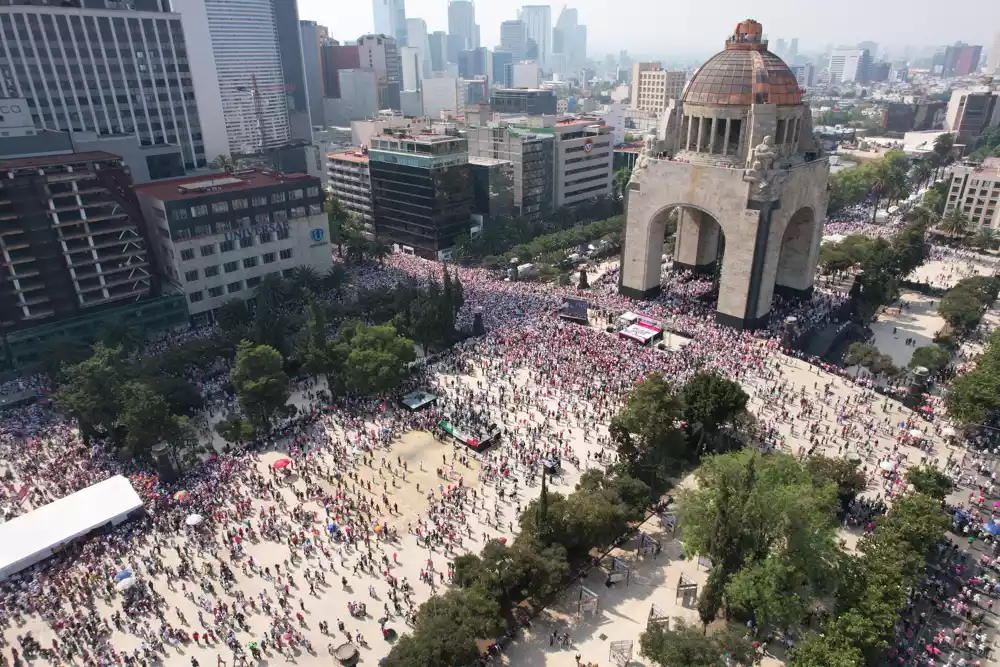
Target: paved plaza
{"points": [[385, 478]]}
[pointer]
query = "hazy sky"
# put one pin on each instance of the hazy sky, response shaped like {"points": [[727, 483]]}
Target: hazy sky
{"points": [[690, 27]]}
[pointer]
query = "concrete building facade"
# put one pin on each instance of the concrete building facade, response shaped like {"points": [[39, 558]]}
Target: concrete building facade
{"points": [[462, 22], [313, 36], [972, 112], [583, 161], [653, 87], [422, 191], [65, 61], [526, 75], [514, 39], [849, 65], [217, 236], [531, 101], [532, 155], [380, 54], [741, 163], [538, 28], [390, 19], [975, 191], [350, 182]]}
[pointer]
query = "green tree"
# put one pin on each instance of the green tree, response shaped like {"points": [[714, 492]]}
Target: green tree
{"points": [[817, 650], [144, 416], [223, 162], [315, 350], [860, 354], [339, 223], [61, 351], [921, 173], [584, 283], [932, 357], [92, 390], [374, 359], [711, 402], [954, 224], [651, 446], [961, 309], [930, 481], [985, 239], [682, 645], [260, 382], [234, 315], [117, 332], [842, 473], [233, 429], [768, 530]]}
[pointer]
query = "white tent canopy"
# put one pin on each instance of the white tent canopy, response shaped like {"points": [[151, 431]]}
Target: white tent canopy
{"points": [[33, 537]]}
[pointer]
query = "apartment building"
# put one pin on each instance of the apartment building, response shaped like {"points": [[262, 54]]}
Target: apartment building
{"points": [[584, 157], [216, 236], [72, 251], [115, 68], [653, 87], [532, 155], [975, 191], [350, 182]]}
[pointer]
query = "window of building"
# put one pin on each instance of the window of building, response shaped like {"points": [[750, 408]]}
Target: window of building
{"points": [[239, 204], [249, 262], [283, 234], [220, 207], [186, 254], [234, 287], [180, 214], [208, 250], [297, 212], [266, 237], [199, 210], [278, 198], [183, 234], [253, 282], [223, 226], [260, 201], [315, 209], [286, 253], [261, 219], [246, 241], [243, 222], [268, 257], [214, 292], [211, 271], [227, 246], [281, 215], [202, 230], [195, 297], [294, 195], [313, 191], [231, 266], [191, 276]]}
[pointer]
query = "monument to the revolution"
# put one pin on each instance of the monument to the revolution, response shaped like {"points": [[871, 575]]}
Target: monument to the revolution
{"points": [[737, 156]]}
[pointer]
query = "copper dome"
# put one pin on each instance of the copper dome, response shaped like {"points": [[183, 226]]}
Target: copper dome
{"points": [[745, 73]]}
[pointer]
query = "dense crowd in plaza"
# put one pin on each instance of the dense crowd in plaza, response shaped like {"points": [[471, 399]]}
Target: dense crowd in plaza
{"points": [[274, 545]]}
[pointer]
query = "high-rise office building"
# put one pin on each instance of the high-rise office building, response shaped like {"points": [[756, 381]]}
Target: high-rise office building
{"points": [[421, 190], [289, 33], [351, 183], [475, 62], [313, 36], [503, 62], [961, 60], [416, 36], [410, 69], [870, 47], [380, 54], [514, 39], [970, 113], [74, 246], [251, 79], [779, 48], [584, 156], [337, 57], [390, 19], [653, 87], [532, 156], [849, 65], [993, 64], [146, 88], [529, 101], [569, 42], [538, 26], [462, 21], [438, 44], [526, 75], [793, 51]]}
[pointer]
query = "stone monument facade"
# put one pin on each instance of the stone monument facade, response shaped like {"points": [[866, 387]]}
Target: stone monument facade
{"points": [[737, 159]]}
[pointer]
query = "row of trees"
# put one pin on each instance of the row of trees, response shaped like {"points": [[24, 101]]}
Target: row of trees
{"points": [[884, 262], [962, 307], [890, 178], [768, 524], [972, 397], [659, 434]]}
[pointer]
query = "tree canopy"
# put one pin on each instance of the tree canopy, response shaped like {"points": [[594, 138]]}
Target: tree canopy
{"points": [[260, 382]]}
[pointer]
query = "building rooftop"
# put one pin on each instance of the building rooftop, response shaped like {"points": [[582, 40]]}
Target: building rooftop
{"points": [[522, 90], [350, 155], [487, 161], [51, 160], [190, 187]]}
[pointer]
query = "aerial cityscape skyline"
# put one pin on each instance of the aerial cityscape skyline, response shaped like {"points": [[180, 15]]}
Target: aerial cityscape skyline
{"points": [[687, 30]]}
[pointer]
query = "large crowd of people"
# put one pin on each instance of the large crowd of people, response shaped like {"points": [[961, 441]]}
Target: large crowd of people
{"points": [[297, 542]]}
